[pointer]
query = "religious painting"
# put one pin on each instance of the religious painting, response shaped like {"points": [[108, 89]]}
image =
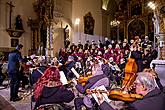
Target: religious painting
{"points": [[14, 42], [89, 24], [136, 9], [136, 28]]}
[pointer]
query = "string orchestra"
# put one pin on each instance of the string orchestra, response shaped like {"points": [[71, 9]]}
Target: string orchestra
{"points": [[77, 77]]}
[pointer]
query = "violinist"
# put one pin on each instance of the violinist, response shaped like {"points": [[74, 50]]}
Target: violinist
{"points": [[155, 75], [145, 85], [49, 89], [39, 70], [98, 78], [69, 64]]}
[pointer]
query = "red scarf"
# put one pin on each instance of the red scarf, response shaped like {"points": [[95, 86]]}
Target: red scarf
{"points": [[51, 74]]}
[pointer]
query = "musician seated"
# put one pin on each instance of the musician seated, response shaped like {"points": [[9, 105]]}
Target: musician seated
{"points": [[49, 89], [145, 85], [155, 75], [2, 78], [69, 64], [97, 78], [39, 70], [3, 71]]}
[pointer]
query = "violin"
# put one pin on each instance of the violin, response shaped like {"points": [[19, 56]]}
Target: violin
{"points": [[124, 96], [119, 95], [83, 79]]}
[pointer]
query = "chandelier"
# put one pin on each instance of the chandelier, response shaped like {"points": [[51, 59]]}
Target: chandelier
{"points": [[115, 23]]}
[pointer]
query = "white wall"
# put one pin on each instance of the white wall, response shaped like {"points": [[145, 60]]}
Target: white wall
{"points": [[25, 9], [71, 9], [85, 37], [65, 6], [82, 7]]}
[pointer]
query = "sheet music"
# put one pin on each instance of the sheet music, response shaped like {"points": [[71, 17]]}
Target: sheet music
{"points": [[75, 72], [63, 78]]}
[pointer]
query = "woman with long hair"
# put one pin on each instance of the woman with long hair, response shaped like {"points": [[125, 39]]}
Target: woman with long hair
{"points": [[49, 89]]}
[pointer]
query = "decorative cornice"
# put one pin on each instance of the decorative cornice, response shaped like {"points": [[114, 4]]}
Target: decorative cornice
{"points": [[15, 33]]}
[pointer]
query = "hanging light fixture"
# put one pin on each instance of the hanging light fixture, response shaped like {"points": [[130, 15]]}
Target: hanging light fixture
{"points": [[115, 23]]}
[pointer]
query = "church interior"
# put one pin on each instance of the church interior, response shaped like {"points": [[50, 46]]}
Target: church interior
{"points": [[46, 22], [46, 27]]}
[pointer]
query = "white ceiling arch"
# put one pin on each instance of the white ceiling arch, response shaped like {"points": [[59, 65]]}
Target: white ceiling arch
{"points": [[105, 4]]}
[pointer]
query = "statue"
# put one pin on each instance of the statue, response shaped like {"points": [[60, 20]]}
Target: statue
{"points": [[66, 37], [18, 23]]}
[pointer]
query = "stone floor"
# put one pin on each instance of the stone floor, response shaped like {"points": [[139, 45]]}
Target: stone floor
{"points": [[24, 104]]}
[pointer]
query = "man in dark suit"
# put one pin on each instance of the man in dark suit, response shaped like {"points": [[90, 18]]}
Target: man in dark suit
{"points": [[153, 98], [14, 60]]}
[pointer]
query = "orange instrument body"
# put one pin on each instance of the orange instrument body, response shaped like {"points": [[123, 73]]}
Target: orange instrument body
{"points": [[130, 73], [117, 95], [130, 76], [123, 96], [83, 80]]}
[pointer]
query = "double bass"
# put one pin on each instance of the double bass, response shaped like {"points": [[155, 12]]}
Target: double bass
{"points": [[130, 76]]}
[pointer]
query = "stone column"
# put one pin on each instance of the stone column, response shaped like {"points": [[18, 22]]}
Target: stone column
{"points": [[162, 35], [162, 46], [49, 42]]}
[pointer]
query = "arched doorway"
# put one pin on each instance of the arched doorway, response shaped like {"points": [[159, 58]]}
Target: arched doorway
{"points": [[61, 32], [136, 28]]}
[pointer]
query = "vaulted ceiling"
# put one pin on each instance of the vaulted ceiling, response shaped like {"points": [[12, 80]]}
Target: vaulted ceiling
{"points": [[110, 6]]}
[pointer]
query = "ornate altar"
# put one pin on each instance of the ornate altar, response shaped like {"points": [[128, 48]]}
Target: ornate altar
{"points": [[135, 19], [136, 28], [39, 26]]}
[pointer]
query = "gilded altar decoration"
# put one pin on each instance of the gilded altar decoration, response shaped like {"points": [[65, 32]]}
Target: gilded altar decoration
{"points": [[136, 28], [89, 24], [44, 10], [162, 19]]}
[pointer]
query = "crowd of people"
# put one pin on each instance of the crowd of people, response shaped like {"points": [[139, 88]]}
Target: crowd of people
{"points": [[97, 63]]}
